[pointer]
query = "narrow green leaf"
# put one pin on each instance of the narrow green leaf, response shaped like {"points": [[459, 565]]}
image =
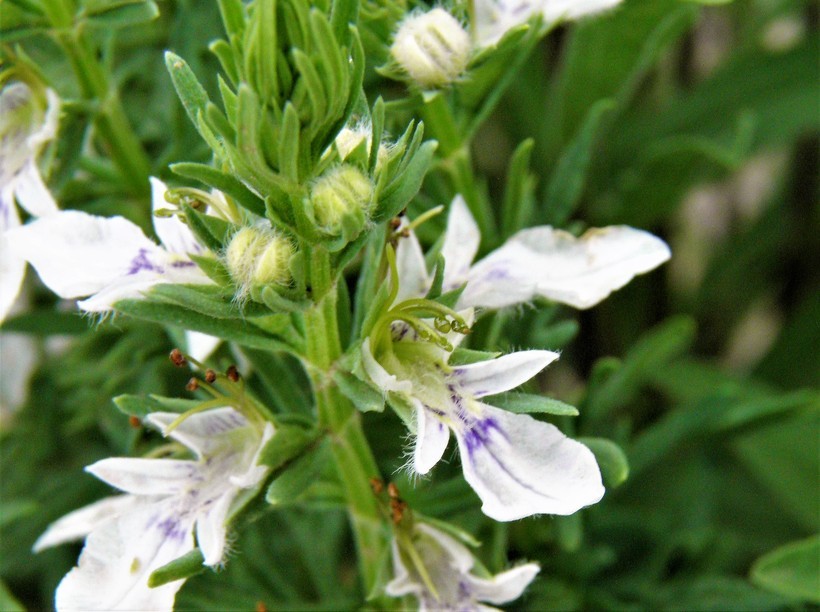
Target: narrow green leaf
{"points": [[792, 570], [289, 143], [365, 397], [142, 405], [228, 329], [527, 403], [123, 15], [566, 183], [518, 201], [233, 16], [287, 443], [407, 184], [292, 483], [190, 91], [189, 564]]}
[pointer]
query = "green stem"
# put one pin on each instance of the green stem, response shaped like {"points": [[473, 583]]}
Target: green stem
{"points": [[111, 122], [351, 451]]}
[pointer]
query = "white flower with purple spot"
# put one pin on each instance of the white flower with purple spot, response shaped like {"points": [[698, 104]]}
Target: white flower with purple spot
{"points": [[535, 262], [167, 502], [517, 465], [27, 124], [107, 258], [494, 17], [447, 581]]}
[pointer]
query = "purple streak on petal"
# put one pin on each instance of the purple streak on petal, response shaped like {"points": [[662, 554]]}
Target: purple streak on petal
{"points": [[496, 274], [142, 263], [182, 264], [478, 434], [440, 413]]}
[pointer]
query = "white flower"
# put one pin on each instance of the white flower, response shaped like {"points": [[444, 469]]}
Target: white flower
{"points": [[517, 465], [494, 17], [108, 259], [539, 261], [447, 564], [167, 501], [25, 128]]}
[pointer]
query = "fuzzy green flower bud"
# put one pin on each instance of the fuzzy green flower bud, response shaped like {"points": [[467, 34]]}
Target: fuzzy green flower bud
{"points": [[342, 195], [258, 256], [433, 48]]}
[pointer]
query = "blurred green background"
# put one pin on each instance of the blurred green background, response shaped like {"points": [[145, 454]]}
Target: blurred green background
{"points": [[704, 371]]}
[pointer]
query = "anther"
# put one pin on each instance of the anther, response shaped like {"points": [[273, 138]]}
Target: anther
{"points": [[260, 607], [134, 422], [377, 485], [395, 222], [177, 358], [397, 508], [393, 491], [193, 384], [210, 376], [232, 374]]}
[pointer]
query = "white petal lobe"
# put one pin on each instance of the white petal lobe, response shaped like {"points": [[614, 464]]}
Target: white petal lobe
{"points": [[461, 242], [77, 254], [519, 466], [498, 375], [431, 439]]}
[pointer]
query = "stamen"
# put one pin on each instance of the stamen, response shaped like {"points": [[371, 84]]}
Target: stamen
{"points": [[177, 358]]}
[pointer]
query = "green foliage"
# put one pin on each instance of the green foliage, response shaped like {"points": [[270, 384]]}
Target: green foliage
{"points": [[695, 385]]}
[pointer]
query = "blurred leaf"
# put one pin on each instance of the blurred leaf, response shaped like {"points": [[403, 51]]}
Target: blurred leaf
{"points": [[119, 13], [793, 570], [8, 603], [611, 459], [566, 182]]}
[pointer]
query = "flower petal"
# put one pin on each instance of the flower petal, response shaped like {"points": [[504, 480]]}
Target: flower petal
{"points": [[211, 531], [432, 437], [12, 267], [78, 524], [77, 254], [380, 377], [460, 558], [175, 236], [204, 433], [201, 346], [32, 193], [502, 374], [505, 586], [147, 476], [118, 558], [554, 264], [519, 466], [412, 271], [460, 246]]}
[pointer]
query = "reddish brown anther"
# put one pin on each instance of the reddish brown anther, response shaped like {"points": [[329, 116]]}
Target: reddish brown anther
{"points": [[397, 508], [232, 374], [177, 358], [395, 223], [134, 422], [393, 491], [192, 385], [210, 376], [260, 607], [377, 485]]}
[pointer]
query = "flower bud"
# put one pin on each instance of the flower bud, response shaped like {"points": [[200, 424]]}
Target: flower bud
{"points": [[433, 48], [272, 265], [258, 256], [351, 138], [341, 192]]}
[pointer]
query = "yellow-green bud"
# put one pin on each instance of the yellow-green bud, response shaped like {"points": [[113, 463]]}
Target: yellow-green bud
{"points": [[343, 190], [258, 256], [272, 266], [433, 48], [350, 138]]}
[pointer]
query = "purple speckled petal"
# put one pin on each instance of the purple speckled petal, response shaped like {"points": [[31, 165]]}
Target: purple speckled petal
{"points": [[203, 433], [118, 558], [77, 254], [519, 466]]}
